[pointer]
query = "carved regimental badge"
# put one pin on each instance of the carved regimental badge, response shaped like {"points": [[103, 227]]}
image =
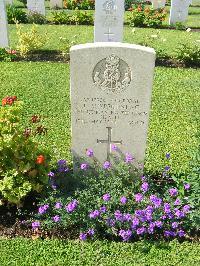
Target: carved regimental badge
{"points": [[112, 74]]}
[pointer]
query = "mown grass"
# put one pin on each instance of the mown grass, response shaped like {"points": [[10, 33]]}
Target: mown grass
{"points": [[167, 40], [44, 88], [23, 252]]}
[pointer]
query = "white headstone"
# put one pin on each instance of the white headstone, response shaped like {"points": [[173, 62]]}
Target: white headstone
{"points": [[56, 3], [158, 3], [9, 2], [37, 6], [3, 26], [111, 87], [179, 11], [109, 17]]}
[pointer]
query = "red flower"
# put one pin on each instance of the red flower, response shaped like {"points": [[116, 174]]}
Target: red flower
{"points": [[9, 100], [40, 159], [4, 101]]}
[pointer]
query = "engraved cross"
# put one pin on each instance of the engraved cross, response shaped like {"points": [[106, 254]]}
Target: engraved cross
{"points": [[109, 142], [109, 33]]}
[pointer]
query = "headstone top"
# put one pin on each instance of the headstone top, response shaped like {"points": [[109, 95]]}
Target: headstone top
{"points": [[114, 44], [108, 24]]}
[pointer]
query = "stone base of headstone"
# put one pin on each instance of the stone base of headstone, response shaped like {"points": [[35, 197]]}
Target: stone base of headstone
{"points": [[111, 87]]}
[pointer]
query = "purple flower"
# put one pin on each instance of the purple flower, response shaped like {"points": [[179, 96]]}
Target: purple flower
{"points": [[186, 208], [145, 187], [110, 222], [51, 174], [159, 224], [174, 225], [106, 197], [156, 201], [90, 232], [167, 155], [118, 216], [123, 200], [181, 233], [56, 218], [179, 214], [114, 147], [135, 223], [143, 178], [128, 217], [138, 197], [169, 233], [84, 166], [54, 187], [94, 214], [187, 186], [71, 206], [35, 225], [106, 165], [58, 205], [125, 234], [151, 228], [128, 157], [83, 236], [167, 208], [103, 209], [173, 192], [89, 153], [62, 162], [141, 230], [167, 168], [177, 202], [42, 209]]}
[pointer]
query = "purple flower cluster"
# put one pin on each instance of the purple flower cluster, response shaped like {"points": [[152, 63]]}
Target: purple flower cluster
{"points": [[35, 225], [89, 153], [62, 166], [71, 206], [128, 158], [94, 214], [145, 187], [107, 165], [43, 209], [90, 233], [106, 197]]}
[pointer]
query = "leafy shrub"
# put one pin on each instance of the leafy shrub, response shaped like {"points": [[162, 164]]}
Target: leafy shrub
{"points": [[76, 18], [16, 15], [23, 1], [189, 52], [7, 55], [23, 165], [37, 18], [30, 40], [80, 4], [141, 16], [66, 44], [114, 201]]}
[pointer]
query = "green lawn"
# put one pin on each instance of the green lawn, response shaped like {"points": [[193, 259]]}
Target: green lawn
{"points": [[167, 40], [23, 252], [44, 88]]}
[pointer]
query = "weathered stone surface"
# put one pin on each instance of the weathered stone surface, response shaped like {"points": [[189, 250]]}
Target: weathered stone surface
{"points": [[56, 3], [3, 26], [111, 87], [158, 3], [109, 17], [36, 6], [179, 11]]}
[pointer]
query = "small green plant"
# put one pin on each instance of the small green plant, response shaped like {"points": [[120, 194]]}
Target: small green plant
{"points": [[189, 52], [7, 55], [179, 26], [16, 15], [30, 40], [37, 18], [80, 4], [23, 164], [66, 44]]}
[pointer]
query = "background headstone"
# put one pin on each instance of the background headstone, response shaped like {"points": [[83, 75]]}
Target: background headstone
{"points": [[179, 11], [109, 18], [3, 26], [36, 6], [9, 2], [111, 87], [56, 3], [158, 3]]}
